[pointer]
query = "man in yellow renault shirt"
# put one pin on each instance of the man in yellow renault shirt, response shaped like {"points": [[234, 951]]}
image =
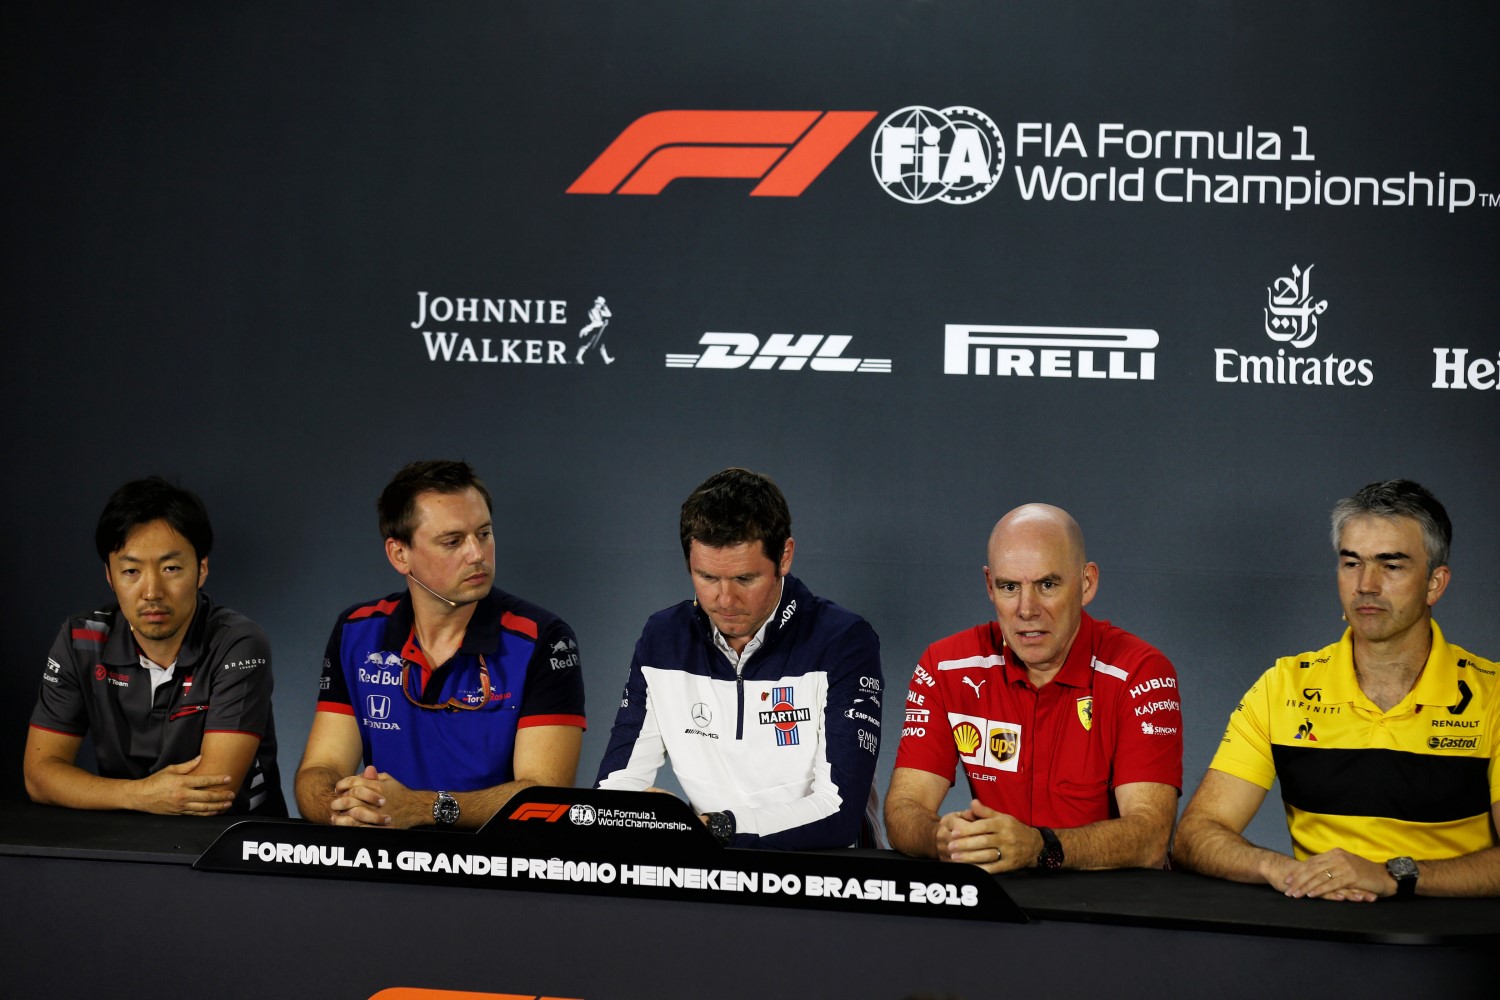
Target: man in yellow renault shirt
{"points": [[1385, 742]]}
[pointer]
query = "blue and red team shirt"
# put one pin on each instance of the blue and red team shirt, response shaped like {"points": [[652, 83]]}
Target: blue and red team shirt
{"points": [[535, 679]]}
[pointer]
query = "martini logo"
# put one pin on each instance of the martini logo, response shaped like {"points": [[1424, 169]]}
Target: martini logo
{"points": [[1291, 317], [810, 350], [1004, 744], [784, 715], [785, 150], [1050, 351], [955, 155], [967, 738]]}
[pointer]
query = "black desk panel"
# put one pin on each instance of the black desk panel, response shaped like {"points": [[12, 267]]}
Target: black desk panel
{"points": [[109, 925]]}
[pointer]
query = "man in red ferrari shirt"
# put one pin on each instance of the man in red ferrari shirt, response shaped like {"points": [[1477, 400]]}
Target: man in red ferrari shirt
{"points": [[1068, 728]]}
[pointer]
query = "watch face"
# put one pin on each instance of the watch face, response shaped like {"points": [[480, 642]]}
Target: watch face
{"points": [[445, 809], [1400, 868]]}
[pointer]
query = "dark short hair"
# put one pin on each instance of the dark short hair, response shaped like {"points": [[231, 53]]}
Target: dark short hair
{"points": [[397, 505], [736, 506], [1399, 498], [142, 501]]}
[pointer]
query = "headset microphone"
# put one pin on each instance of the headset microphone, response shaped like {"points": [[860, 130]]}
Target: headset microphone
{"points": [[412, 577]]}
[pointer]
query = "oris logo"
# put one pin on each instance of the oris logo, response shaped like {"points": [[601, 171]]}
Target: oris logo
{"points": [[786, 150], [955, 155]]}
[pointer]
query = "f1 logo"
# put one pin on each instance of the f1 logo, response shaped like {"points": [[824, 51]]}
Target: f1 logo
{"points": [[379, 706], [547, 811], [788, 149]]}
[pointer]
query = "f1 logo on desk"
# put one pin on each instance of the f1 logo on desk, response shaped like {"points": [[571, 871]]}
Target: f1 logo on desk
{"points": [[549, 812], [786, 149]]}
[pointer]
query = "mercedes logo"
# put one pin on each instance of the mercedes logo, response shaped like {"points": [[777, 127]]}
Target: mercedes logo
{"points": [[701, 715]]}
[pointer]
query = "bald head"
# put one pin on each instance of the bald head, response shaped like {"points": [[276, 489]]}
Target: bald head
{"points": [[1039, 580], [1034, 523]]}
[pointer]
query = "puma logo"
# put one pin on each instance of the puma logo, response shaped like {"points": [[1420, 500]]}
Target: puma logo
{"points": [[974, 685]]}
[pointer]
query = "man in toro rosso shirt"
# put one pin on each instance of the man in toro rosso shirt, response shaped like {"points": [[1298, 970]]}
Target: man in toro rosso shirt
{"points": [[766, 697], [1068, 729], [455, 694]]}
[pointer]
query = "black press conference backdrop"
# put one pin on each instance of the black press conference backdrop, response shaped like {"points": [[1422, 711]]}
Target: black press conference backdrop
{"points": [[1192, 270]]}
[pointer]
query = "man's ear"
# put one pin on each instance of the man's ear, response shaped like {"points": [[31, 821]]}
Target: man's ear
{"points": [[396, 552]]}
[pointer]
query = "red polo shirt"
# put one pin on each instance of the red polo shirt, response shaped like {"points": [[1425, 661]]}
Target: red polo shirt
{"points": [[1048, 756]]}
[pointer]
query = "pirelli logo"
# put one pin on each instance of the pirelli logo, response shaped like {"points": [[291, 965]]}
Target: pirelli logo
{"points": [[1050, 351]]}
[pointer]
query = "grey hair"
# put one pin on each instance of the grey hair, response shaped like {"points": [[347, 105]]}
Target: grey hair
{"points": [[1399, 498]]}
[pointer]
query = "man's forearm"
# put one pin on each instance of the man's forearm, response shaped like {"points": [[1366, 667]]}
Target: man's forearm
{"points": [[1124, 842], [912, 828], [1476, 874], [476, 808], [314, 792], [1210, 848], [55, 783]]}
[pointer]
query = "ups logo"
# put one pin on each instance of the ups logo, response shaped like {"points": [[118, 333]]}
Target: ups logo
{"points": [[1003, 744]]}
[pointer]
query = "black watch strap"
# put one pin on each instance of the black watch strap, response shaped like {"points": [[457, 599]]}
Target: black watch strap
{"points": [[722, 826], [1051, 857]]}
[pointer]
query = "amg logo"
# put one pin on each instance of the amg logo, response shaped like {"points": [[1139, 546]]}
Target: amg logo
{"points": [[1050, 351], [786, 715], [1452, 742]]}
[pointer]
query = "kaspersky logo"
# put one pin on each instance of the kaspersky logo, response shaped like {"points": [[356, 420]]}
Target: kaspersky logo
{"points": [[785, 150]]}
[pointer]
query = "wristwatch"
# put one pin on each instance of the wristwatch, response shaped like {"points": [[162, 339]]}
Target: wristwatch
{"points": [[1404, 871], [722, 826], [445, 810], [1051, 857]]}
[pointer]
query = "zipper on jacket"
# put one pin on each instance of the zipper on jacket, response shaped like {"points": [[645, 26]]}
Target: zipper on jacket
{"points": [[739, 694]]}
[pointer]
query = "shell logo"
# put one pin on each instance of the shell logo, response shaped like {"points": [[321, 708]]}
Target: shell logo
{"points": [[966, 737]]}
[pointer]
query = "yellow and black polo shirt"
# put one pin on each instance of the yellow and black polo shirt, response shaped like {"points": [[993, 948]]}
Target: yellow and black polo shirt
{"points": [[1418, 780]]}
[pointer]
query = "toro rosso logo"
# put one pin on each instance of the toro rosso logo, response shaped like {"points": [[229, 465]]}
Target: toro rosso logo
{"points": [[786, 150]]}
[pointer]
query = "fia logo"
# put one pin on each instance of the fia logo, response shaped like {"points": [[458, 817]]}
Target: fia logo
{"points": [[809, 350], [955, 155], [379, 706]]}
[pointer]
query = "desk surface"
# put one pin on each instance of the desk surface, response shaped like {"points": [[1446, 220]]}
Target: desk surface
{"points": [[1141, 898]]}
